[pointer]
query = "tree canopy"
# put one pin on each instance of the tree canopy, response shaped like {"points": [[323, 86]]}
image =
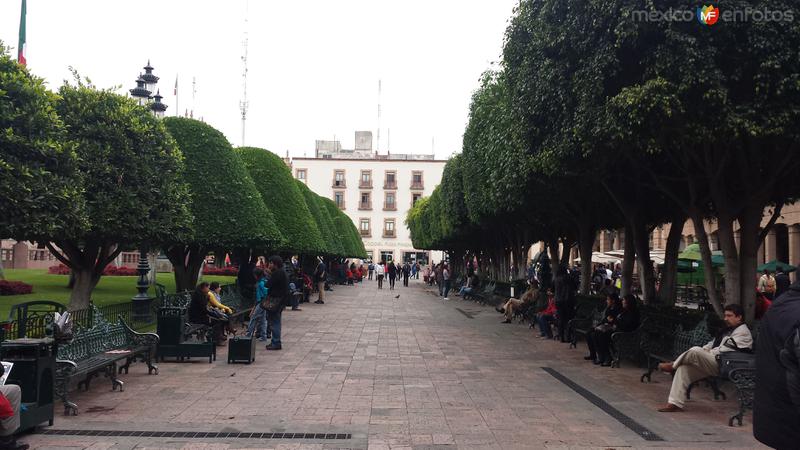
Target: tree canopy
{"points": [[40, 187], [280, 193], [130, 167]]}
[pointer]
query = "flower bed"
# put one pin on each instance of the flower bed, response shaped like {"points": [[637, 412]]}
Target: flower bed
{"points": [[14, 288], [61, 269], [225, 271]]}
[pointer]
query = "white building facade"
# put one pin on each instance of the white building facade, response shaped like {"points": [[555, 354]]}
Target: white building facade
{"points": [[375, 191]]}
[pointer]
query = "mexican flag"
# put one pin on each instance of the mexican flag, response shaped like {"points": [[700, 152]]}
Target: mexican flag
{"points": [[22, 43]]}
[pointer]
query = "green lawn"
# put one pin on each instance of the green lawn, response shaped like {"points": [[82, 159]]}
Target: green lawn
{"points": [[110, 289]]}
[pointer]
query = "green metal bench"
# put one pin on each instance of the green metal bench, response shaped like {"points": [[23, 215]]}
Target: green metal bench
{"points": [[179, 338], [627, 344], [660, 343], [101, 349]]}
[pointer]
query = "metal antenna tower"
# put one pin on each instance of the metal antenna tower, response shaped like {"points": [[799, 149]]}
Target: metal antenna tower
{"points": [[379, 116], [243, 104]]}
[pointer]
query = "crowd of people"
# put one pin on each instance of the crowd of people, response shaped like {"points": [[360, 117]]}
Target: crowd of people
{"points": [[276, 286]]}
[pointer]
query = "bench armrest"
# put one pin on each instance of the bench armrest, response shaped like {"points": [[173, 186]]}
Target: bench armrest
{"points": [[139, 339]]}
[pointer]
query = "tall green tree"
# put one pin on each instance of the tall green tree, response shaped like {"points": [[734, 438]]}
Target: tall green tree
{"points": [[332, 245], [280, 193], [130, 169], [228, 210], [41, 191]]}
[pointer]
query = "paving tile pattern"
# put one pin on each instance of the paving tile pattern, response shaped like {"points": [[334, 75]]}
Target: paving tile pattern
{"points": [[396, 373]]}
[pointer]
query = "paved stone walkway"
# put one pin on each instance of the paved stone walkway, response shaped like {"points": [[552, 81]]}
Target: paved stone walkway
{"points": [[413, 372]]}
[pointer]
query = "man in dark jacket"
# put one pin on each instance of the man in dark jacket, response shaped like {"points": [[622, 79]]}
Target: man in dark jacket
{"points": [[776, 409], [782, 282], [277, 292]]}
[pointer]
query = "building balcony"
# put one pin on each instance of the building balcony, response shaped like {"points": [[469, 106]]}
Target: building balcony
{"points": [[390, 206], [339, 184], [418, 186], [390, 185], [365, 233], [340, 204], [389, 233], [365, 184], [365, 206]]}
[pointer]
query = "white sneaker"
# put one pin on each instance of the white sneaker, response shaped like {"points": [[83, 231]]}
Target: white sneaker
{"points": [[446, 298]]}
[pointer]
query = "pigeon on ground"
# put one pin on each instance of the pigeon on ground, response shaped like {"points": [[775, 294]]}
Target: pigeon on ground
{"points": [[397, 296]]}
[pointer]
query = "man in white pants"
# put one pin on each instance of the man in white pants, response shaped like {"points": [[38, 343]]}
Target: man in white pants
{"points": [[701, 362]]}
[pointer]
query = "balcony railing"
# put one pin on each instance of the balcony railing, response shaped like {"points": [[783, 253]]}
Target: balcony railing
{"points": [[388, 233], [390, 184], [366, 233], [365, 206], [340, 204], [392, 206], [339, 184], [418, 186], [365, 184]]}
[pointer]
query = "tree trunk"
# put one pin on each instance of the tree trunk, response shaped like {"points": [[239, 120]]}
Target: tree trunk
{"points": [[555, 255], [586, 238], [708, 267], [565, 251], [86, 280], [186, 264], [749, 222], [669, 276], [641, 239], [628, 260], [2, 272]]}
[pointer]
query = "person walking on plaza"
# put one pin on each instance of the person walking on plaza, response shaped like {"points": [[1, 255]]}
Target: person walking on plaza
{"points": [[392, 270], [10, 401], [258, 317], [406, 273], [371, 269], [766, 285], [439, 279], [417, 269], [320, 275], [446, 281], [776, 409], [277, 293], [700, 362], [379, 270]]}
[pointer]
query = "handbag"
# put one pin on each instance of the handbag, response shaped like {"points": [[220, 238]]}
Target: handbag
{"points": [[740, 358], [604, 328], [728, 361], [271, 304]]}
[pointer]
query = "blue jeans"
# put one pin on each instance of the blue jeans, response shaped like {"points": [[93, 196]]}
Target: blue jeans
{"points": [[544, 325], [465, 290], [258, 320], [275, 325], [446, 287]]}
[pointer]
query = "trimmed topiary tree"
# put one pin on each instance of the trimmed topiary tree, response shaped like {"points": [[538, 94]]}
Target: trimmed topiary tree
{"points": [[331, 246], [129, 165], [228, 210], [282, 196], [40, 188]]}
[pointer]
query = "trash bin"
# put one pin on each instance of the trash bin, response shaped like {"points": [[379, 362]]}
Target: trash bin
{"points": [[34, 371]]}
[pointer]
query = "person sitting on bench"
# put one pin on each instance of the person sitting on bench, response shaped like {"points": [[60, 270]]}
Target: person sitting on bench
{"points": [[701, 362], [199, 314], [10, 401], [531, 296]]}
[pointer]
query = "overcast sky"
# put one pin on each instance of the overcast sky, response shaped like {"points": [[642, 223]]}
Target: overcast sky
{"points": [[314, 65]]}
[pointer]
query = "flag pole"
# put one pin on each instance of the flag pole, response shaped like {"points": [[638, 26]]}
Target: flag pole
{"points": [[177, 109], [21, 48]]}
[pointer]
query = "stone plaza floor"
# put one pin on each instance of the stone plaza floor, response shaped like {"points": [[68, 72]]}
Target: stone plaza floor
{"points": [[368, 370]]}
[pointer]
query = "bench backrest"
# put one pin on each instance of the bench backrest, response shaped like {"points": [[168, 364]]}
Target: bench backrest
{"points": [[31, 319], [684, 340], [103, 336]]}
